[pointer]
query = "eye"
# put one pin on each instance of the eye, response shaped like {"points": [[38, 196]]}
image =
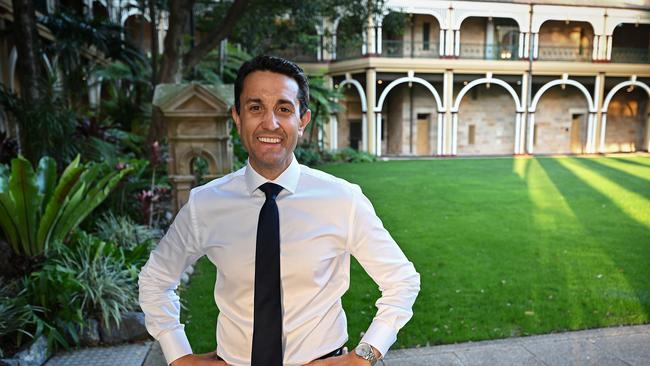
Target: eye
{"points": [[254, 108], [285, 110]]}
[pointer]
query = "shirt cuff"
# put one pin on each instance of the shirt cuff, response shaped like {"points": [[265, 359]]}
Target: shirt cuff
{"points": [[380, 335], [174, 344]]}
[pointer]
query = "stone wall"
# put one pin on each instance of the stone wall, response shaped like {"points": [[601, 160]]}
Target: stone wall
{"points": [[492, 113], [627, 121], [553, 119]]}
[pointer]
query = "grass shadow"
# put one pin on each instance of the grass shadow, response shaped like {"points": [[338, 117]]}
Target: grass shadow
{"points": [[623, 178], [627, 244], [632, 161]]}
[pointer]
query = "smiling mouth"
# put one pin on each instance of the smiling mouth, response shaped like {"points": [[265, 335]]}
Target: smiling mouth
{"points": [[269, 140]]}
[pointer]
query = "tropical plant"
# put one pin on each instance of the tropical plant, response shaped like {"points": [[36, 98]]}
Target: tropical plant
{"points": [[106, 284], [36, 211], [323, 101], [124, 232], [18, 319]]}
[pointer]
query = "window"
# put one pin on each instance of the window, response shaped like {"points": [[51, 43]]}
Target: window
{"points": [[426, 29], [471, 136]]}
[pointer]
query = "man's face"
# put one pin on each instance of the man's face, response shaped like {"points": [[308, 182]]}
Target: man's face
{"points": [[269, 121]]}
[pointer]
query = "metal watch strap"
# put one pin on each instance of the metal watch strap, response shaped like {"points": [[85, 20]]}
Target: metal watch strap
{"points": [[369, 355]]}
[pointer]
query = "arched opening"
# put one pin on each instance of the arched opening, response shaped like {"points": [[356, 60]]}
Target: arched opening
{"points": [[565, 41], [489, 38], [350, 119], [100, 12], [627, 121], [410, 121], [349, 38], [631, 43], [138, 32], [486, 120], [412, 35], [200, 170], [561, 121]]}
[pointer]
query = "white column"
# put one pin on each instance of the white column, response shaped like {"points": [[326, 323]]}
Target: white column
{"points": [[441, 46], [378, 134], [595, 45], [364, 133], [535, 45], [517, 131], [379, 39], [449, 43], [603, 128], [364, 45], [371, 92], [454, 133], [440, 132], [646, 141], [334, 132], [590, 133], [333, 52], [520, 52], [609, 48], [457, 42], [527, 45], [531, 131]]}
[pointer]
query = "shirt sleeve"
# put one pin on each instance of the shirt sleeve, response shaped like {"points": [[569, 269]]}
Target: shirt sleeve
{"points": [[381, 257], [159, 279]]}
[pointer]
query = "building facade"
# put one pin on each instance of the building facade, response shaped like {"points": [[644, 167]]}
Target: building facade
{"points": [[492, 78]]}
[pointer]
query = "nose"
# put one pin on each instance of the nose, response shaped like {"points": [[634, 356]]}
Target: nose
{"points": [[270, 121]]}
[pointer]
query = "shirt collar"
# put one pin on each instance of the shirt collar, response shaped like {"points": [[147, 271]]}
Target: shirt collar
{"points": [[288, 179]]}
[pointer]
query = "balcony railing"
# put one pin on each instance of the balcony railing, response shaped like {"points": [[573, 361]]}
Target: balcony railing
{"points": [[348, 51], [566, 53], [297, 54], [488, 51], [631, 55], [410, 49]]}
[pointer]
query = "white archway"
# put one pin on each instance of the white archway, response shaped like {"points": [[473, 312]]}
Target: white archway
{"points": [[518, 108], [408, 79], [553, 83], [591, 144], [610, 95], [411, 79], [364, 108]]}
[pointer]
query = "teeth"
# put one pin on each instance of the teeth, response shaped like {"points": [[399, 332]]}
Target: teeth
{"points": [[270, 140]]}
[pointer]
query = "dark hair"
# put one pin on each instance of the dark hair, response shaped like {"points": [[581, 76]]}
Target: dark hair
{"points": [[277, 65]]}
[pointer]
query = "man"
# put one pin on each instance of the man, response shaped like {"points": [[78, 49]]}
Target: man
{"points": [[281, 235]]}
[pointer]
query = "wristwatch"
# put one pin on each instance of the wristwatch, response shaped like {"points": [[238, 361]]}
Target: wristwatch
{"points": [[364, 350]]}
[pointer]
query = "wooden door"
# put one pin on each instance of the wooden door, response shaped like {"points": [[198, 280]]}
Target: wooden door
{"points": [[422, 145], [576, 134]]}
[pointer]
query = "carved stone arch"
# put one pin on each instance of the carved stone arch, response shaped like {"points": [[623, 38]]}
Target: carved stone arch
{"points": [[195, 152]]}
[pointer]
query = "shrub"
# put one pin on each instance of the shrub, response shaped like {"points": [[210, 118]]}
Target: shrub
{"points": [[17, 318], [35, 210], [125, 232], [87, 279], [349, 155]]}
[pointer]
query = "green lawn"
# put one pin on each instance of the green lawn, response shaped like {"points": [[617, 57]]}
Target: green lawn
{"points": [[505, 247]]}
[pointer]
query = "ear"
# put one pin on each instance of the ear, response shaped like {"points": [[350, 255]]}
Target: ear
{"points": [[304, 121], [235, 117]]}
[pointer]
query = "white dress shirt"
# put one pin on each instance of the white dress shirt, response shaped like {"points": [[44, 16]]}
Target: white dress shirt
{"points": [[323, 219]]}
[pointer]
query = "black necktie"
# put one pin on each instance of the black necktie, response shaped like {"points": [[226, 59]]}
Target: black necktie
{"points": [[267, 318]]}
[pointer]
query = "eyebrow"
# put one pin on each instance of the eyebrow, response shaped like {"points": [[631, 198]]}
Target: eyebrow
{"points": [[258, 100]]}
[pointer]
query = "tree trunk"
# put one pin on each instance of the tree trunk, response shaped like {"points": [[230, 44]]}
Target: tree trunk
{"points": [[29, 63], [174, 64], [214, 37], [154, 42], [170, 70]]}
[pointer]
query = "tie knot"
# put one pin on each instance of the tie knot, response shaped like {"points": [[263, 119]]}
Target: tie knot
{"points": [[271, 190]]}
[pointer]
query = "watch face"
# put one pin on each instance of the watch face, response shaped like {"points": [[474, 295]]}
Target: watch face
{"points": [[363, 350]]}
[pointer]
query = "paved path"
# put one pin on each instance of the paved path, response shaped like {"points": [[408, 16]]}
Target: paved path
{"points": [[620, 346]]}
